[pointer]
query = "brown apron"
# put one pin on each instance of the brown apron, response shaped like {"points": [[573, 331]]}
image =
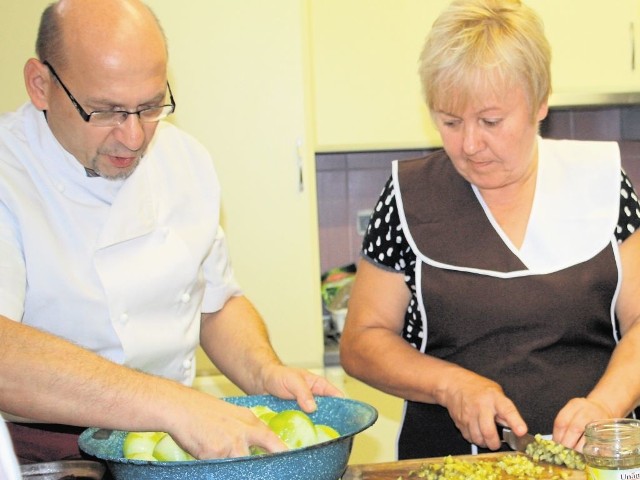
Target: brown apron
{"points": [[545, 338]]}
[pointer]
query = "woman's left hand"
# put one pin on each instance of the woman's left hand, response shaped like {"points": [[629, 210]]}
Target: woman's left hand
{"points": [[569, 425]]}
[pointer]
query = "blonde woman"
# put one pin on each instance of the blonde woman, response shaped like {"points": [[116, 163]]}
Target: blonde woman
{"points": [[499, 277]]}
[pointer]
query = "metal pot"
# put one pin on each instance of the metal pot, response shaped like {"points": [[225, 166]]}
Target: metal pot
{"points": [[63, 470]]}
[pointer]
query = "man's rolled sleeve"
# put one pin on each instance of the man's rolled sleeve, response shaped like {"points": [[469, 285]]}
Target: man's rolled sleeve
{"points": [[220, 280]]}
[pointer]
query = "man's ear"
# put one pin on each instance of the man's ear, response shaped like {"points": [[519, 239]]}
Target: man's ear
{"points": [[38, 82]]}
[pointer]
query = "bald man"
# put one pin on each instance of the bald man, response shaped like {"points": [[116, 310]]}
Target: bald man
{"points": [[113, 263]]}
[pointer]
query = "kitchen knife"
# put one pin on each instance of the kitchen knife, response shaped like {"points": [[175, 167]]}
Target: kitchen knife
{"points": [[543, 450], [516, 443]]}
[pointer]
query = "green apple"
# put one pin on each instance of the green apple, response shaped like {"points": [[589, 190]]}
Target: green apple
{"points": [[325, 432], [263, 412], [140, 443], [143, 456], [167, 450], [255, 450], [294, 427]]}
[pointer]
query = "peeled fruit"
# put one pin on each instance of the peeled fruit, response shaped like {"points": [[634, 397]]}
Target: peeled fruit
{"points": [[325, 432], [152, 446], [143, 456], [263, 412], [255, 450], [295, 428], [140, 443], [167, 450]]}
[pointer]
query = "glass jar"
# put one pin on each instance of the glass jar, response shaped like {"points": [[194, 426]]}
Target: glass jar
{"points": [[612, 449]]}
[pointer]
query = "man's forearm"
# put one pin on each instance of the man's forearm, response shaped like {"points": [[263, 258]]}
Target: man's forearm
{"points": [[238, 332], [48, 379]]}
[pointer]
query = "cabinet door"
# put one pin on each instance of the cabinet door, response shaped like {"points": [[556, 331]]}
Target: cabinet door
{"points": [[593, 44], [365, 52], [238, 70], [365, 62]]}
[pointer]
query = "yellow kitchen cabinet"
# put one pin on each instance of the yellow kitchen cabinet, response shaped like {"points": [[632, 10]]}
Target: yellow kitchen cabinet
{"points": [[365, 52], [365, 60], [594, 44], [239, 71]]}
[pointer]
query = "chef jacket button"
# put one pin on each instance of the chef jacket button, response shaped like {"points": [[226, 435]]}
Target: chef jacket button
{"points": [[187, 364], [165, 231], [185, 297], [60, 187], [124, 318]]}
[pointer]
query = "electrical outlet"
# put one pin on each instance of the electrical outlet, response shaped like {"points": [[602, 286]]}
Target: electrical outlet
{"points": [[362, 221]]}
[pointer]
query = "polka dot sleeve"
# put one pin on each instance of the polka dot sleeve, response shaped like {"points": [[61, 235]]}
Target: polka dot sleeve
{"points": [[384, 242], [629, 216]]}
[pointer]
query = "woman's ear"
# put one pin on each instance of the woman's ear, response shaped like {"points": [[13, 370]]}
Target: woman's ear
{"points": [[543, 110], [38, 83]]}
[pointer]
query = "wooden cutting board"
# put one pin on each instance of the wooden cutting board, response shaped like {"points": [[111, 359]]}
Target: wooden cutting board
{"points": [[394, 470]]}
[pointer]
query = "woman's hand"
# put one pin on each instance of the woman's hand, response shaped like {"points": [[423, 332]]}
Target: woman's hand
{"points": [[476, 404], [569, 425]]}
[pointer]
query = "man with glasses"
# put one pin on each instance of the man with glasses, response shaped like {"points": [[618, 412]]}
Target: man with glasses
{"points": [[113, 264]]}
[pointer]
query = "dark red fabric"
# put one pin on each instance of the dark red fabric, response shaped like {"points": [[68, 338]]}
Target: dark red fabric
{"points": [[36, 442]]}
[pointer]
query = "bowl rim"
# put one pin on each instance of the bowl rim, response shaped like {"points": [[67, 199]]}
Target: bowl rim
{"points": [[373, 417]]}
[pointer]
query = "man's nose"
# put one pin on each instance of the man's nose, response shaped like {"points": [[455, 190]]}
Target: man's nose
{"points": [[132, 133]]}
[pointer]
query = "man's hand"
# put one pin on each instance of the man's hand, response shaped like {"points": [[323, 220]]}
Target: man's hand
{"points": [[299, 384], [208, 427]]}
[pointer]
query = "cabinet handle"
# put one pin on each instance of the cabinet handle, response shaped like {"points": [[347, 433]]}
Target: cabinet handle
{"points": [[633, 46], [300, 165]]}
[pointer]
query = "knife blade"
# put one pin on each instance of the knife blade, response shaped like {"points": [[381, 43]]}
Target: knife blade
{"points": [[543, 450], [519, 444]]}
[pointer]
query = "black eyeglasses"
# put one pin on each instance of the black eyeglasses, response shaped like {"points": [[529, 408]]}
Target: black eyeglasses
{"points": [[112, 118]]}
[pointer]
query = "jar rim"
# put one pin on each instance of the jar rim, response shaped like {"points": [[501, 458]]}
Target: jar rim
{"points": [[614, 428]]}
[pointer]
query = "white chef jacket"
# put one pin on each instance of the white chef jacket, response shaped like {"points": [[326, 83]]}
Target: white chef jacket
{"points": [[121, 267], [9, 467]]}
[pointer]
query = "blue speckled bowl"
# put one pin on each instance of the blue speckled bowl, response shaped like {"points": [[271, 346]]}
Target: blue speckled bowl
{"points": [[324, 461]]}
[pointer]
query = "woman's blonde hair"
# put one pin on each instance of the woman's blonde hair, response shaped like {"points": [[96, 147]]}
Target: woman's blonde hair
{"points": [[479, 44]]}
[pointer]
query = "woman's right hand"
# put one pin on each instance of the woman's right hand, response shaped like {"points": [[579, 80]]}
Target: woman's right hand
{"points": [[476, 404]]}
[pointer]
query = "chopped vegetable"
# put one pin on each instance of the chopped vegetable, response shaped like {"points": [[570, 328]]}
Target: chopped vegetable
{"points": [[516, 467], [543, 450]]}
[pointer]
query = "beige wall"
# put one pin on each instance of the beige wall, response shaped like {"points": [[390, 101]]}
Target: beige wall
{"points": [[18, 27]]}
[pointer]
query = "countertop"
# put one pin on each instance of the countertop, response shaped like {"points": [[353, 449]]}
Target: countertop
{"points": [[402, 469]]}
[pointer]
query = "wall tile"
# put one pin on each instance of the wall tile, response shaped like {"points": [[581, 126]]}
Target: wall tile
{"points": [[348, 184], [630, 153], [332, 218], [558, 124], [597, 124]]}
